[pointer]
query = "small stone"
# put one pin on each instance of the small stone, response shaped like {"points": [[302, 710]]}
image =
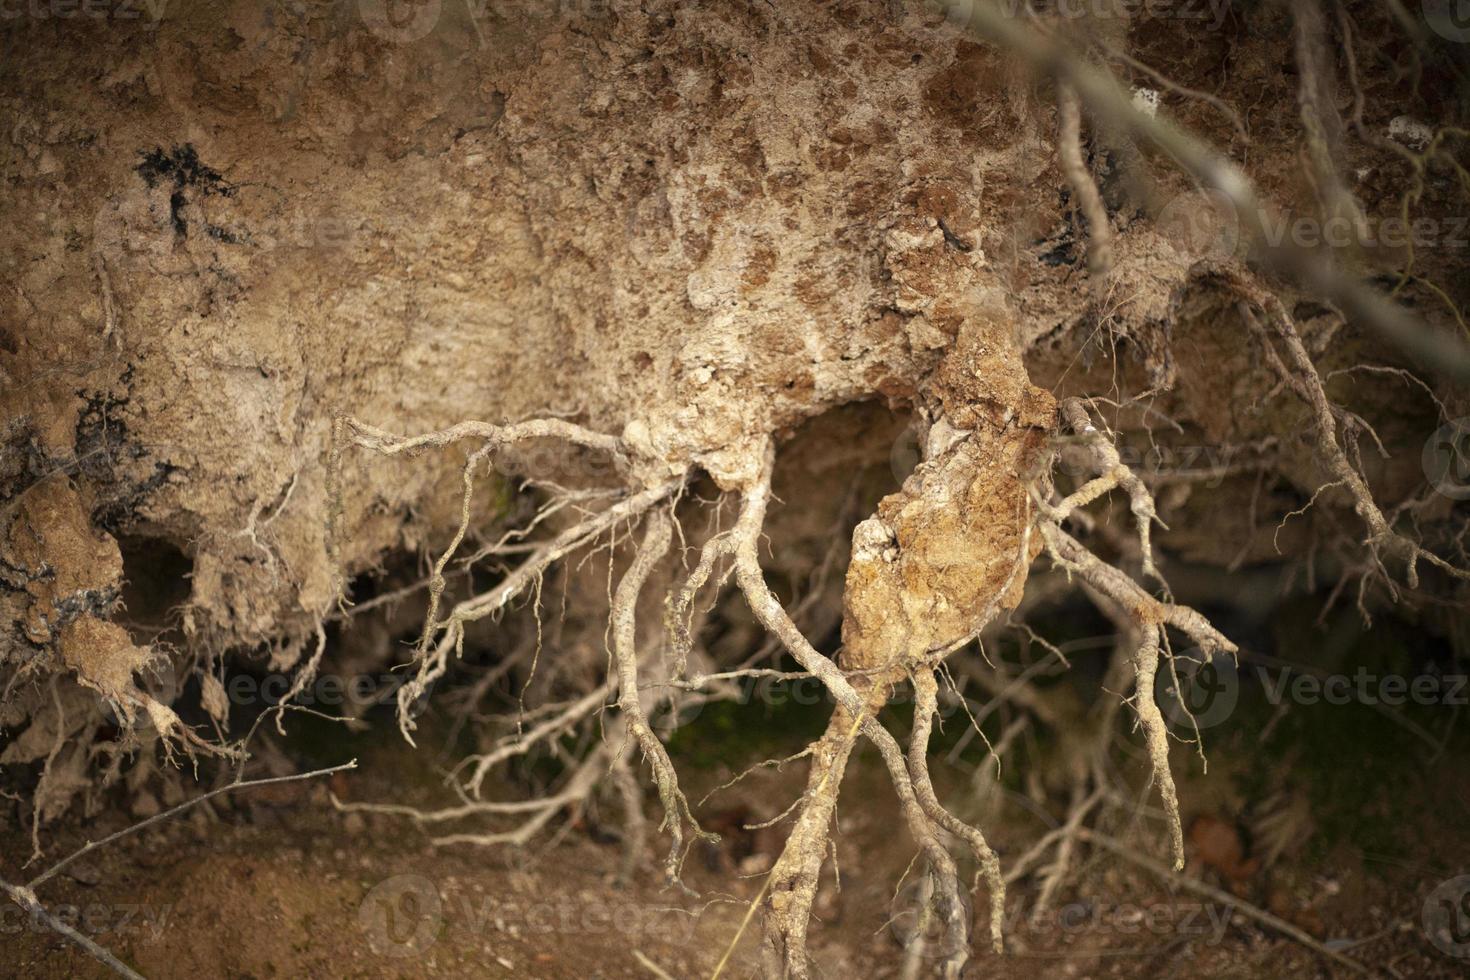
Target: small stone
{"points": [[84, 873], [1410, 132]]}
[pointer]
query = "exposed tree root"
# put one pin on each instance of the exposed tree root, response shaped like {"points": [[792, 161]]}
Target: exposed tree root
{"points": [[795, 876], [625, 654], [925, 707], [432, 656], [794, 879], [1143, 620], [1333, 427], [520, 743], [1321, 124], [860, 687], [1152, 616], [444, 636], [1112, 474], [578, 788], [433, 662]]}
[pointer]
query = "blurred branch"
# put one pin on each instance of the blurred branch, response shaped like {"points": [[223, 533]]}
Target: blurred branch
{"points": [[1111, 103]]}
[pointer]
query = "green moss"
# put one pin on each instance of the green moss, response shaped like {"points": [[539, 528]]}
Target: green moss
{"points": [[768, 721]]}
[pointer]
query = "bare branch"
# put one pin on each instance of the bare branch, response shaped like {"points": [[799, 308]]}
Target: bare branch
{"points": [[1100, 91]]}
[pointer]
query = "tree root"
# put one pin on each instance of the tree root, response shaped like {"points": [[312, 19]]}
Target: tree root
{"points": [[925, 707], [793, 881], [1112, 474], [521, 743], [790, 889], [1152, 616], [576, 790], [444, 636], [624, 629], [1301, 376]]}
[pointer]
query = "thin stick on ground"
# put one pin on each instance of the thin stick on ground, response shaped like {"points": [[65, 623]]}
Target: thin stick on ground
{"points": [[658, 972], [1223, 897], [25, 895], [26, 899], [230, 787]]}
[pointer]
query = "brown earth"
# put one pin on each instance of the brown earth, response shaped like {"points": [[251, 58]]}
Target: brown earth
{"points": [[691, 227]]}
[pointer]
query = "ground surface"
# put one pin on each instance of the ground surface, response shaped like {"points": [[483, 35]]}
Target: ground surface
{"points": [[276, 883]]}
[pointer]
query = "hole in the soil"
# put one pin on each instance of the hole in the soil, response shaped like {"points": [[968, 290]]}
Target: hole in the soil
{"points": [[830, 474], [156, 582]]}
